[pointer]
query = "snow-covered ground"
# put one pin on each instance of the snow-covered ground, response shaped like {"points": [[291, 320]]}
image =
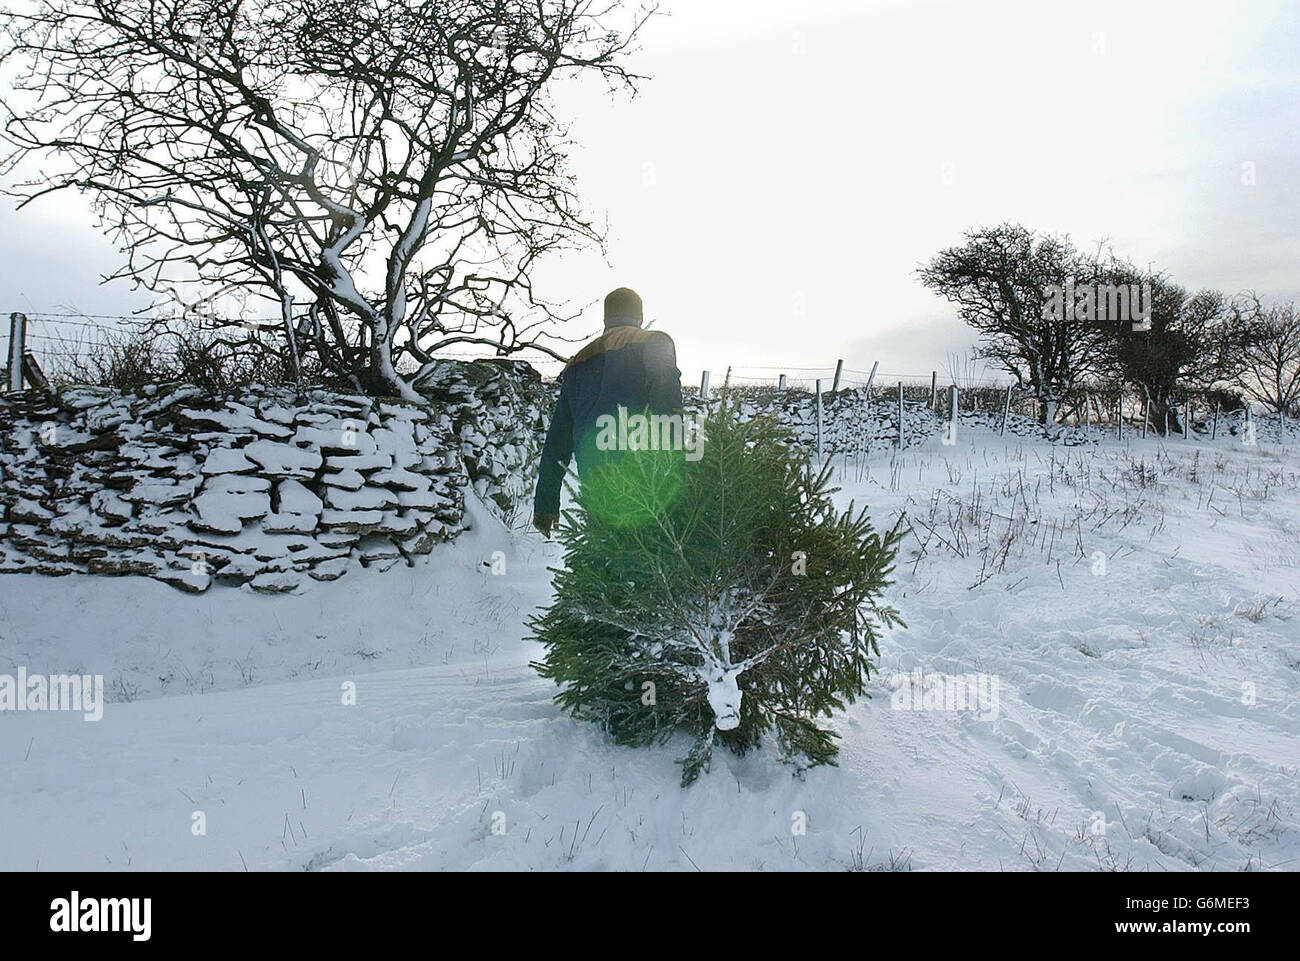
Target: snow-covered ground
{"points": [[1132, 604]]}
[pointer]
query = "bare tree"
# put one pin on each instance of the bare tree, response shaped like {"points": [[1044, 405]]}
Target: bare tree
{"points": [[385, 173], [999, 279], [1268, 353]]}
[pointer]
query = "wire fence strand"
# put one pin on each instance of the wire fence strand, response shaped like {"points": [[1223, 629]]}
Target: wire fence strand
{"points": [[62, 338]]}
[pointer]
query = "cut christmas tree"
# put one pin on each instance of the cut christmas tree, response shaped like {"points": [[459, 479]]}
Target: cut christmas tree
{"points": [[723, 596]]}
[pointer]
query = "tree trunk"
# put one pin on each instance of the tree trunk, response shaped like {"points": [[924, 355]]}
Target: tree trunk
{"points": [[1162, 408]]}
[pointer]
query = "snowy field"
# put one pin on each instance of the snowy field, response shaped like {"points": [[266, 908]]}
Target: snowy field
{"points": [[1132, 605]]}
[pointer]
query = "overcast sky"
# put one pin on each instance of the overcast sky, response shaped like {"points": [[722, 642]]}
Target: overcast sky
{"points": [[775, 184]]}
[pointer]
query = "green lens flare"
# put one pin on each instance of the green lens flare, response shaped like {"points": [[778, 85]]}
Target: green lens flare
{"points": [[634, 488]]}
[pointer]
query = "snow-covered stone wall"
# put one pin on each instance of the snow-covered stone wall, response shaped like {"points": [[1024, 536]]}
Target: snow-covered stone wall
{"points": [[264, 488], [268, 487], [499, 412], [853, 422]]}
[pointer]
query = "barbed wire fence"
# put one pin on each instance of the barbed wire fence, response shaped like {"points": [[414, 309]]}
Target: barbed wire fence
{"points": [[933, 389], [49, 344], [60, 342], [1116, 407]]}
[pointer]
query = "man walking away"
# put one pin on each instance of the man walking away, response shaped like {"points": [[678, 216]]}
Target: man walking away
{"points": [[623, 367]]}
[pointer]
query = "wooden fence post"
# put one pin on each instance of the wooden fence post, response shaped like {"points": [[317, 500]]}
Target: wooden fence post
{"points": [[934, 390], [900, 415], [819, 418], [1187, 418], [17, 347], [704, 389], [1006, 411], [1146, 411], [953, 406], [1214, 425], [839, 369], [780, 382], [33, 373], [1119, 415], [871, 377]]}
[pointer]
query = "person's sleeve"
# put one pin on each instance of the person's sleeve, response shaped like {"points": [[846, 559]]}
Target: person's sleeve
{"points": [[665, 380], [556, 453]]}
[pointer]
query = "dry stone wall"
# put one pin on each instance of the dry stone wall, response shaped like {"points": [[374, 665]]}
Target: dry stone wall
{"points": [[263, 488], [267, 488]]}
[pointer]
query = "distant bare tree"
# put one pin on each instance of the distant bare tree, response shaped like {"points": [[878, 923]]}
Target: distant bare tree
{"points": [[1268, 353], [998, 278], [386, 173], [1189, 347]]}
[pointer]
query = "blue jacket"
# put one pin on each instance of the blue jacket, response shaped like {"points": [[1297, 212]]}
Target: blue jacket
{"points": [[625, 366]]}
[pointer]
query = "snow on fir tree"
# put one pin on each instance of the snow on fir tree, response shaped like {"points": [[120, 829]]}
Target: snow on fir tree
{"points": [[722, 595]]}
